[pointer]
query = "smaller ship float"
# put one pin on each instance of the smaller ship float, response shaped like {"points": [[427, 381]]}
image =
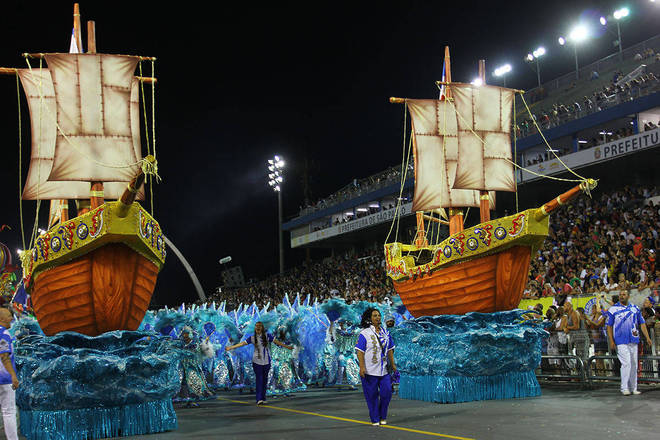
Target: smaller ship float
{"points": [[461, 146]]}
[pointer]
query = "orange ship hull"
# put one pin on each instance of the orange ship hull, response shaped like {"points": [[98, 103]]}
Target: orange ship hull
{"points": [[487, 284], [106, 289]]}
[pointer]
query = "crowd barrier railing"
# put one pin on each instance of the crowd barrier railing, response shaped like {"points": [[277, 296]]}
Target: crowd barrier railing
{"points": [[576, 371]]}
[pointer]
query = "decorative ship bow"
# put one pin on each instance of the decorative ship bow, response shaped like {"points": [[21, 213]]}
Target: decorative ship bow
{"points": [[462, 153], [96, 272]]}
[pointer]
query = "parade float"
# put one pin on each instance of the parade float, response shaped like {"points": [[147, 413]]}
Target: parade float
{"points": [[462, 151], [90, 277]]}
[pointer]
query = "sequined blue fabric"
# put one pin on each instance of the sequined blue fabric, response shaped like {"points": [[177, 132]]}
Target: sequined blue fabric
{"points": [[469, 357], [72, 371]]}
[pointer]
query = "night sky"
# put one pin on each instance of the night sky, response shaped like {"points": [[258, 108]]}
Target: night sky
{"points": [[306, 80]]}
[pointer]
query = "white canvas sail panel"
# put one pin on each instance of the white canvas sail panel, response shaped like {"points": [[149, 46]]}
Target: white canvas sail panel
{"points": [[93, 98], [37, 83], [436, 155], [484, 115]]}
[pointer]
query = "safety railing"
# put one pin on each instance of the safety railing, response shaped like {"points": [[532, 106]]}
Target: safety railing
{"points": [[570, 367], [608, 370]]}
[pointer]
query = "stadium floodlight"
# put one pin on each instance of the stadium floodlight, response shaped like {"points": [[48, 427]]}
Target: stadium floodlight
{"points": [[603, 21], [477, 82], [276, 177], [620, 13], [579, 34], [503, 71], [538, 53]]}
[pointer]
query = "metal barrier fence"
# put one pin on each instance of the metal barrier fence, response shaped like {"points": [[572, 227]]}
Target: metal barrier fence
{"points": [[571, 367]]}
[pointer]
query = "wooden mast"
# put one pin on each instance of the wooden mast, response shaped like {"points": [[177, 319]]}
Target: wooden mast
{"points": [[96, 188], [455, 214], [62, 205], [484, 199]]}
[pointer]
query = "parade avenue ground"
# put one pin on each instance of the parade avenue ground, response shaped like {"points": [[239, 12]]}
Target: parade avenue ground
{"points": [[563, 411]]}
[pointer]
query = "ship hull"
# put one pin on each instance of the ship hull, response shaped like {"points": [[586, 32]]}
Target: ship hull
{"points": [[485, 284], [96, 272], [108, 289]]}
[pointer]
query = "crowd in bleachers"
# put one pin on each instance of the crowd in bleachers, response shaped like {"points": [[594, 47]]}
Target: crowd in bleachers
{"points": [[356, 188], [352, 276], [599, 244], [607, 96]]}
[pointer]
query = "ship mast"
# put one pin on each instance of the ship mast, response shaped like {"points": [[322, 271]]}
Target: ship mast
{"points": [[62, 205], [484, 199], [455, 214], [96, 188]]}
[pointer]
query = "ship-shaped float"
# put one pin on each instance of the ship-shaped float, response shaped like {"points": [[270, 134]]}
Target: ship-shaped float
{"points": [[95, 272], [461, 146]]}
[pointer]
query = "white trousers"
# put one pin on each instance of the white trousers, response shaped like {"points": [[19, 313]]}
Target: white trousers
{"points": [[8, 403], [627, 354]]}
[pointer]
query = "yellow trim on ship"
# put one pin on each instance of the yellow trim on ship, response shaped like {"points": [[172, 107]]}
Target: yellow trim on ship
{"points": [[483, 239], [81, 235]]}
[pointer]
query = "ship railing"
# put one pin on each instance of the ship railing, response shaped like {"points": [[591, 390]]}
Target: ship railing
{"points": [[571, 367]]}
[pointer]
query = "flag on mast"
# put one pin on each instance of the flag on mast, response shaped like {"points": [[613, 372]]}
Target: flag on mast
{"points": [[442, 86]]}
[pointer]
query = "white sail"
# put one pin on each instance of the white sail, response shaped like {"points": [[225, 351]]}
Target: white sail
{"points": [[435, 142], [37, 83], [484, 115], [95, 140]]}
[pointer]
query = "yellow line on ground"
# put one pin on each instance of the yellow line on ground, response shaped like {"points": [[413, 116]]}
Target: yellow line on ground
{"points": [[417, 431]]}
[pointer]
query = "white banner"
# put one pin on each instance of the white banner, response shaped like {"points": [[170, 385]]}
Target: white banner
{"points": [[353, 225], [600, 153]]}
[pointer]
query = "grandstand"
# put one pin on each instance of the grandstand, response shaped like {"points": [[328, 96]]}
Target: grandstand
{"points": [[605, 141]]}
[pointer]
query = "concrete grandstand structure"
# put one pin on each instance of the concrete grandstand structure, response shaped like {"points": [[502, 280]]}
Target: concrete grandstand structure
{"points": [[613, 140]]}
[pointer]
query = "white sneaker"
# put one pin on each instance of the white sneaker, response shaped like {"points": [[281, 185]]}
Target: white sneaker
{"points": [[261, 402], [375, 424], [625, 393], [637, 393], [383, 422]]}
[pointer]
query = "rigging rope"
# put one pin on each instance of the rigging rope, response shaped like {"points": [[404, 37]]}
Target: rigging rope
{"points": [[404, 172], [546, 142], [20, 159], [515, 149]]}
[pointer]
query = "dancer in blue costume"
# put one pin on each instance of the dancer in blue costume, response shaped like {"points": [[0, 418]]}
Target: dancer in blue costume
{"points": [[193, 380], [348, 369], [261, 359], [283, 378]]}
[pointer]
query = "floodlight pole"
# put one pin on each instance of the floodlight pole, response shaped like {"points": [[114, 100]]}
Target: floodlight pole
{"points": [[279, 209], [618, 31], [538, 72], [577, 69]]}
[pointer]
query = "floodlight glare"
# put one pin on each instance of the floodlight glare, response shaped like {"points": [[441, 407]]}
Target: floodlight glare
{"points": [[620, 13], [530, 57], [578, 34], [477, 82], [603, 21], [502, 70], [561, 40], [539, 52]]}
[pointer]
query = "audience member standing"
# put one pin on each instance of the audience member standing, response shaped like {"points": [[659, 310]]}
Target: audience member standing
{"points": [[623, 333]]}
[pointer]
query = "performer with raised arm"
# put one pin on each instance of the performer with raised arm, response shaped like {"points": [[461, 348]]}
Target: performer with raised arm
{"points": [[261, 357]]}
